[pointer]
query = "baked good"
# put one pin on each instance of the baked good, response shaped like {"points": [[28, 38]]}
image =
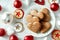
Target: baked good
{"points": [[45, 27], [31, 19], [35, 26], [33, 12], [45, 11], [38, 14], [39, 21], [35, 19], [46, 18]]}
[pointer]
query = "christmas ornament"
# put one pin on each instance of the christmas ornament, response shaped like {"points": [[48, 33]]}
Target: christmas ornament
{"points": [[13, 37], [17, 4], [40, 2], [54, 6], [19, 13], [29, 37], [18, 27], [2, 32], [7, 17], [0, 8]]}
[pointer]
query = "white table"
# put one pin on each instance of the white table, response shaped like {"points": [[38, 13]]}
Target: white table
{"points": [[8, 6]]}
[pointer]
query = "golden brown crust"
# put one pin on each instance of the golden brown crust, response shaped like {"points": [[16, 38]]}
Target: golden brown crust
{"points": [[45, 27], [35, 19], [47, 18], [33, 12], [45, 11], [31, 19], [40, 15], [35, 27]]}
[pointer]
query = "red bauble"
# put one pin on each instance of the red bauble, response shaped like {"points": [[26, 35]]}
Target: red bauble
{"points": [[0, 7], [17, 4], [13, 37], [2, 32], [30, 37], [42, 2], [54, 6]]}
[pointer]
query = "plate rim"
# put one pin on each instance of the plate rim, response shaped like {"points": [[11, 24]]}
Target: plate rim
{"points": [[51, 28]]}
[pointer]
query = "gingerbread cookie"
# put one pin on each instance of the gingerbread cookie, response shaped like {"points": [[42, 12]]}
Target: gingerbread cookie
{"points": [[47, 18], [33, 12], [45, 11], [45, 27], [35, 26], [38, 14], [31, 19]]}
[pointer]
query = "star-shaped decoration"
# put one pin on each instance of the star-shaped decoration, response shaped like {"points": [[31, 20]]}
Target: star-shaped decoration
{"points": [[17, 27], [57, 35], [18, 14]]}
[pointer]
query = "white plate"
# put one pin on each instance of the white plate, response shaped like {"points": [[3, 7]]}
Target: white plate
{"points": [[52, 21]]}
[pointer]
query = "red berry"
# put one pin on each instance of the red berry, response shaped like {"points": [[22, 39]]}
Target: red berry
{"points": [[54, 6], [2, 32], [30, 37], [0, 7], [13, 37], [17, 4]]}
